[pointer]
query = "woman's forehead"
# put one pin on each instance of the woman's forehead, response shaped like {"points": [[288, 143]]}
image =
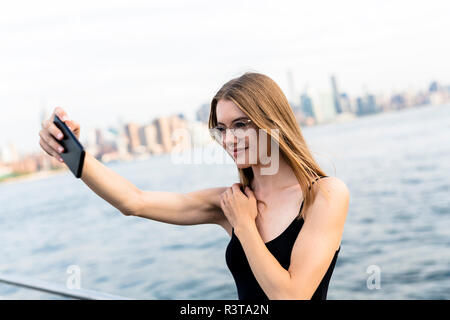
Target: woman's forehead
{"points": [[227, 111]]}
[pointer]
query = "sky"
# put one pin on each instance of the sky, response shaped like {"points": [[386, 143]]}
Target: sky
{"points": [[137, 60]]}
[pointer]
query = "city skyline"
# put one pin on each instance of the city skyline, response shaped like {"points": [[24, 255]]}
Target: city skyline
{"points": [[143, 139], [102, 60], [44, 112]]}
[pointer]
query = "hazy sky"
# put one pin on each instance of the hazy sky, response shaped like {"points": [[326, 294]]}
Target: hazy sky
{"points": [[141, 59]]}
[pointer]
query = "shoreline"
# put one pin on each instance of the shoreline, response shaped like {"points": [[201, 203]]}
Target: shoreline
{"points": [[32, 176]]}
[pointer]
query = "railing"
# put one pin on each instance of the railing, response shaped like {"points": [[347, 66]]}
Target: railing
{"points": [[44, 286]]}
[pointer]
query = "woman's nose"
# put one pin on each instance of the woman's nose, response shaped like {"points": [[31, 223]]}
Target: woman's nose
{"points": [[229, 139]]}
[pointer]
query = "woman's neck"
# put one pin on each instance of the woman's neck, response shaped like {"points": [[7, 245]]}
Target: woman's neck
{"points": [[265, 184]]}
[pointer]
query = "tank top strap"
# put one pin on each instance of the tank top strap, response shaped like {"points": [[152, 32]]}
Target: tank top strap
{"points": [[316, 180]]}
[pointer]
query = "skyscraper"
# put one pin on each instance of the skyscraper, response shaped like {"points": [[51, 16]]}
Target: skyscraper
{"points": [[335, 91], [322, 105], [366, 104], [345, 103], [202, 113], [306, 105], [164, 133], [132, 131], [149, 137], [292, 94]]}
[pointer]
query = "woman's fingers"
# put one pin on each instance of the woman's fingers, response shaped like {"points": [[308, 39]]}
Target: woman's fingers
{"points": [[49, 126], [249, 193], [50, 134], [236, 188], [52, 128], [51, 142], [45, 147], [74, 127], [49, 150], [61, 114]]}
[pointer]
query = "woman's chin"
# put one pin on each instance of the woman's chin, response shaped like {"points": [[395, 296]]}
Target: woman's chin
{"points": [[241, 164]]}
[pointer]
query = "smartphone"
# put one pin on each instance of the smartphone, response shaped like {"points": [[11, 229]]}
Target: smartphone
{"points": [[73, 154]]}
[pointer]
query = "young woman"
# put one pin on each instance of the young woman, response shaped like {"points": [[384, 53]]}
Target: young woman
{"points": [[285, 229]]}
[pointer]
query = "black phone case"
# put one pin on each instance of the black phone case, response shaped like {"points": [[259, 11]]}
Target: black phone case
{"points": [[73, 154]]}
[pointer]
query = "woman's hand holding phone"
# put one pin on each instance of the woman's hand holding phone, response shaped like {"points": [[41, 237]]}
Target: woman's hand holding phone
{"points": [[50, 134]]}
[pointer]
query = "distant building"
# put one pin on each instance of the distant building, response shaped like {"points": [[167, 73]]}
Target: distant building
{"points": [[336, 96], [345, 103], [306, 105], [366, 104], [438, 94], [371, 103], [317, 106], [202, 113], [89, 141], [99, 140], [438, 97], [122, 143], [323, 106], [434, 87], [163, 131], [9, 153], [292, 95], [149, 136], [132, 132], [397, 102], [179, 133]]}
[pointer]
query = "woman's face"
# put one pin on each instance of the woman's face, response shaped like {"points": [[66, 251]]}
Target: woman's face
{"points": [[243, 147]]}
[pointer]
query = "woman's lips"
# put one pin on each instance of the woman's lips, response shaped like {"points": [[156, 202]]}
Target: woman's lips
{"points": [[235, 151]]}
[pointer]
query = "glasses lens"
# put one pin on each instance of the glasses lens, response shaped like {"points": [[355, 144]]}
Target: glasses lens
{"points": [[237, 129], [217, 133], [239, 125]]}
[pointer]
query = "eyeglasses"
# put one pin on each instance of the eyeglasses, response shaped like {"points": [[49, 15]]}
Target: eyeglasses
{"points": [[241, 124]]}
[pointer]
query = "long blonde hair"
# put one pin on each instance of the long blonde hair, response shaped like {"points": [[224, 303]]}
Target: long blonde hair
{"points": [[263, 101]]}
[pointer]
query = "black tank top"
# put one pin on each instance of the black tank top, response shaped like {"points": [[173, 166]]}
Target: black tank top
{"points": [[280, 247]]}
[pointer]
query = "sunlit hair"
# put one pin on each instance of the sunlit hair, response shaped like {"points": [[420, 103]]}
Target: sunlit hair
{"points": [[263, 101]]}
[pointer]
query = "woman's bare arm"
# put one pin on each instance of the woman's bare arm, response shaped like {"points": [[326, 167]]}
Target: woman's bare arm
{"points": [[198, 207], [115, 189], [177, 208]]}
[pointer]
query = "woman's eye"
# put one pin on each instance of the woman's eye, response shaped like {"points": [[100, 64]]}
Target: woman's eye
{"points": [[220, 129], [239, 125]]}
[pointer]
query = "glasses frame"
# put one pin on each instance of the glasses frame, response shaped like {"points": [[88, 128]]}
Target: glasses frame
{"points": [[220, 134]]}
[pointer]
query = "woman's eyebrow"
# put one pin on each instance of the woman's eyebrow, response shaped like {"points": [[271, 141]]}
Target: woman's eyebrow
{"points": [[240, 118]]}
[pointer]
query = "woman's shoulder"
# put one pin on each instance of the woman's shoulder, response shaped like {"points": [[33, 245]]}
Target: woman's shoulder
{"points": [[331, 198], [332, 185]]}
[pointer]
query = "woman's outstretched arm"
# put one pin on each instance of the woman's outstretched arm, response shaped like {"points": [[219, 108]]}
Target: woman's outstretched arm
{"points": [[191, 208], [115, 189], [197, 207]]}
